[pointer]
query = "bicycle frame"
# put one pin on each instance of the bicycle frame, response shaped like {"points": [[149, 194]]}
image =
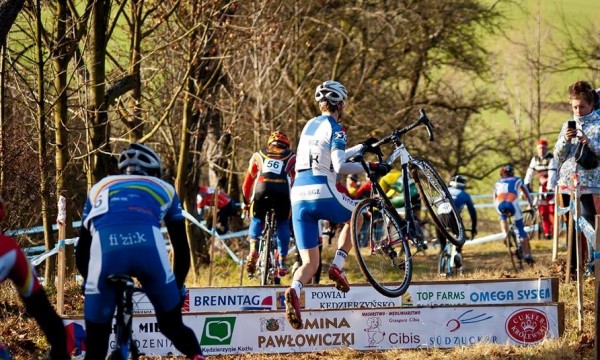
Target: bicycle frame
{"points": [[267, 250], [410, 225], [518, 252], [124, 342]]}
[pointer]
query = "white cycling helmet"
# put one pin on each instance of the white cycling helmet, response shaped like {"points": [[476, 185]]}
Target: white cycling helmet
{"points": [[331, 91], [458, 181], [139, 159]]}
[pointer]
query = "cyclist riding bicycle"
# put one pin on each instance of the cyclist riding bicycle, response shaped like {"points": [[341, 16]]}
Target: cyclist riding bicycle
{"points": [[267, 186], [120, 234], [506, 200], [321, 156], [461, 198], [15, 267]]}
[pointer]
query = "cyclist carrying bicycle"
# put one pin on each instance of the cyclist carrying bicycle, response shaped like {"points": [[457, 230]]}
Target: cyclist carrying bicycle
{"points": [[120, 234], [15, 267], [267, 186], [506, 200], [461, 198], [321, 156]]}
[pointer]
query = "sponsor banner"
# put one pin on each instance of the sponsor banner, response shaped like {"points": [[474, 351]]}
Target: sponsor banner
{"points": [[360, 329], [364, 296]]}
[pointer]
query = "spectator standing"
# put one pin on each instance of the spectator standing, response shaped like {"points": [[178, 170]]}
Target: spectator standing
{"points": [[543, 168], [587, 131], [226, 207]]}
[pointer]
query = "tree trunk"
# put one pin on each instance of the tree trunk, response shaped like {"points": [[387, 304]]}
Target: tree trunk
{"points": [[49, 241], [9, 9], [100, 127], [61, 119]]}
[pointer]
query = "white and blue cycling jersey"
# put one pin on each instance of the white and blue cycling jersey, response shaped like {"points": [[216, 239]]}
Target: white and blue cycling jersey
{"points": [[123, 214], [320, 157], [461, 199]]}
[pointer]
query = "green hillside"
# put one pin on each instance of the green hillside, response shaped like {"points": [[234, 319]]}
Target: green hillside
{"points": [[523, 37]]}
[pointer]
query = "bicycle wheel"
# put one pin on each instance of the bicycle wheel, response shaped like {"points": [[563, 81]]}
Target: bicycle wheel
{"points": [[516, 256], [438, 201], [444, 263], [263, 258], [530, 219], [386, 262]]}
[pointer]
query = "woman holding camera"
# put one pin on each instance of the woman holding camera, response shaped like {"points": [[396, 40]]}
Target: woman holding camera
{"points": [[582, 129]]}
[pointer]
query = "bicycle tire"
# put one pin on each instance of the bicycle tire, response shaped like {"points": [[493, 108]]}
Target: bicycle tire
{"points": [[512, 245], [444, 263], [434, 193], [388, 267], [530, 218], [263, 258]]}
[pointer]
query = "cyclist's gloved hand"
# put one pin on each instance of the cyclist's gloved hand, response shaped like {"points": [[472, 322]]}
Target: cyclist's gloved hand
{"points": [[380, 168], [370, 141]]}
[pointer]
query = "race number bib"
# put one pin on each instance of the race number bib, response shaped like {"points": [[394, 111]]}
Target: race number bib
{"points": [[100, 205], [272, 166]]}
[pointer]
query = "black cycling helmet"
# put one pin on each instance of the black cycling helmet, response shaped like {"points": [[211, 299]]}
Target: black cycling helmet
{"points": [[139, 159], [507, 170], [458, 181]]}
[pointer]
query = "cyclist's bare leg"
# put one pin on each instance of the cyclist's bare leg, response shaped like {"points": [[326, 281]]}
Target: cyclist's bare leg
{"points": [[504, 226], [310, 264], [336, 270], [526, 248]]}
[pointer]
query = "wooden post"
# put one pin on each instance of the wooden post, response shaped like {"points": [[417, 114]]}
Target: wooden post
{"points": [[579, 252], [570, 242], [213, 237], [60, 284], [597, 292], [555, 227]]}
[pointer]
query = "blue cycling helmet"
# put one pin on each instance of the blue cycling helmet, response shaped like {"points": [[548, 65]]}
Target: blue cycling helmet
{"points": [[139, 159]]}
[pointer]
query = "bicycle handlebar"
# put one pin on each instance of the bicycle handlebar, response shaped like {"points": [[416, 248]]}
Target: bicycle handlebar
{"points": [[422, 120], [396, 136]]}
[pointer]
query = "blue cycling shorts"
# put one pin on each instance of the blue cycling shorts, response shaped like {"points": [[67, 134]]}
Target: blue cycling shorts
{"points": [[314, 199], [136, 250], [504, 207]]}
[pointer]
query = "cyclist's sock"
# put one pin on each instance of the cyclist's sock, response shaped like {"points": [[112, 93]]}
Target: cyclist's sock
{"points": [[340, 258], [297, 286], [253, 245], [281, 261]]}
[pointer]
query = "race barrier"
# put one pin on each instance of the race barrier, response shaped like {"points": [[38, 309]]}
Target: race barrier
{"points": [[237, 320], [361, 329], [431, 293]]}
